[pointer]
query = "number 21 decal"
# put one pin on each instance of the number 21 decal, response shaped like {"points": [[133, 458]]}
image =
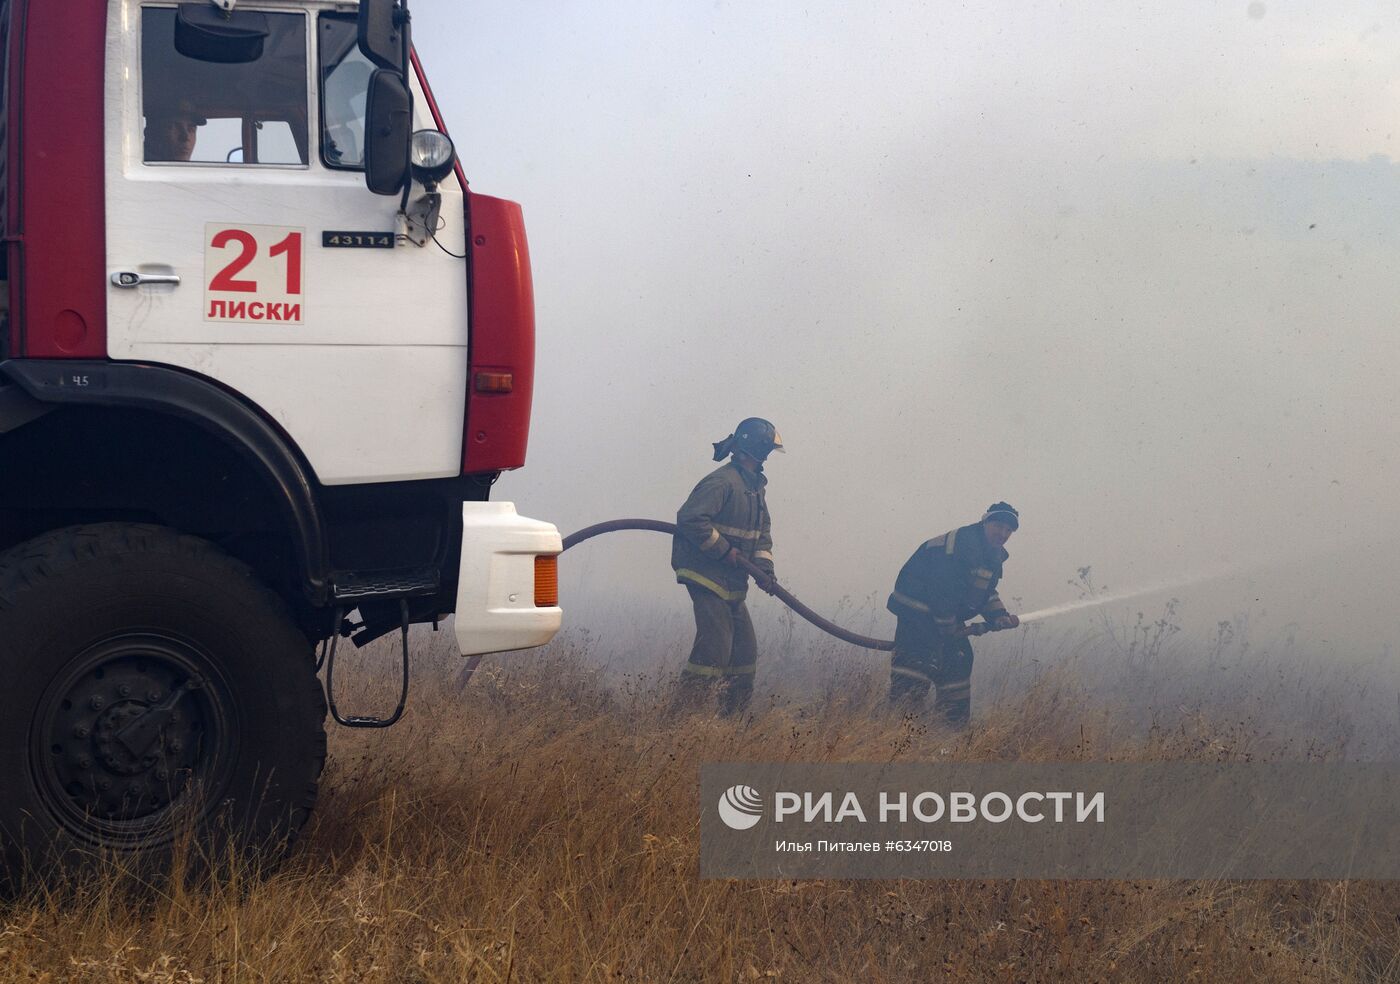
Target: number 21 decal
{"points": [[253, 273]]}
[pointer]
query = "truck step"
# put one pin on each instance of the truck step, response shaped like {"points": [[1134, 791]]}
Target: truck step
{"points": [[356, 586]]}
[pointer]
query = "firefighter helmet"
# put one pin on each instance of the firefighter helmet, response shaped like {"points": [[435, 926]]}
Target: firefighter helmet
{"points": [[754, 436]]}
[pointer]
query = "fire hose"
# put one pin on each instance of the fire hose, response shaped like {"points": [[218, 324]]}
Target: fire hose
{"points": [[765, 582], [774, 588]]}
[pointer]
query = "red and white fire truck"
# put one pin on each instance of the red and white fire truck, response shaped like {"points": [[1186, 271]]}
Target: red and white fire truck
{"points": [[263, 354]]}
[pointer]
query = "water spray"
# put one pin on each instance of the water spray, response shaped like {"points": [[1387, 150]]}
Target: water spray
{"points": [[1120, 596]]}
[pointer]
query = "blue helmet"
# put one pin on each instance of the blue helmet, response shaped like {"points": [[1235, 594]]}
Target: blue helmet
{"points": [[754, 436]]}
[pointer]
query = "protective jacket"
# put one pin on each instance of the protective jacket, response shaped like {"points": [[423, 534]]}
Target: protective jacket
{"points": [[727, 509], [950, 579]]}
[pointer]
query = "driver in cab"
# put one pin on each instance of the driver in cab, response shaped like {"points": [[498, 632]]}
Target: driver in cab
{"points": [[171, 132]]}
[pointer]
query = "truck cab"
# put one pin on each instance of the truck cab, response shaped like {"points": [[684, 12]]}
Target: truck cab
{"points": [[263, 352]]}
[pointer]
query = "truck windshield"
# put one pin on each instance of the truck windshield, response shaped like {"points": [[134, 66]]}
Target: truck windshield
{"points": [[345, 76]]}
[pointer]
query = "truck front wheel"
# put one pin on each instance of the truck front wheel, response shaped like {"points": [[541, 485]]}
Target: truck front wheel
{"points": [[152, 688]]}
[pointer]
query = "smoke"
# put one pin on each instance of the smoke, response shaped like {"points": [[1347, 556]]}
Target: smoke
{"points": [[1130, 269]]}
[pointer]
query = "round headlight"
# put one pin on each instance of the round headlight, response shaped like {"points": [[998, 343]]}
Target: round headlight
{"points": [[432, 156]]}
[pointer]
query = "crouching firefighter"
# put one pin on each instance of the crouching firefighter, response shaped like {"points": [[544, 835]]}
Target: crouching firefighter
{"points": [[947, 581], [725, 518]]}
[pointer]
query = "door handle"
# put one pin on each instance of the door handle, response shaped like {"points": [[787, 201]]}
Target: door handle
{"points": [[126, 278]]}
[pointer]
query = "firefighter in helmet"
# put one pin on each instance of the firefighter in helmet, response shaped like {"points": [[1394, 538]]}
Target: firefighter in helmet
{"points": [[947, 581], [725, 519]]}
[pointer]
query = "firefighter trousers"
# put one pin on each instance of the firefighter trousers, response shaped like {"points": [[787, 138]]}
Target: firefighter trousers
{"points": [[725, 653], [922, 660]]}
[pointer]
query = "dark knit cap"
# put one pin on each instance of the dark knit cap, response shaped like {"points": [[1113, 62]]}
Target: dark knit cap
{"points": [[1003, 512]]}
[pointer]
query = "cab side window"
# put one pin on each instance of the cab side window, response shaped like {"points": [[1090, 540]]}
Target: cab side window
{"points": [[210, 113], [345, 76]]}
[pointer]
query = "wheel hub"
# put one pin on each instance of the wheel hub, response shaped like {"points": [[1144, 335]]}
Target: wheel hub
{"points": [[100, 765], [110, 750]]}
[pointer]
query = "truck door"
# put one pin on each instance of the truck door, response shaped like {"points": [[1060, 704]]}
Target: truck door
{"points": [[243, 245]]}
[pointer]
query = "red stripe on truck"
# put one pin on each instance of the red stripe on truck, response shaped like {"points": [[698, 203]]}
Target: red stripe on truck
{"points": [[502, 324], [503, 336], [57, 217]]}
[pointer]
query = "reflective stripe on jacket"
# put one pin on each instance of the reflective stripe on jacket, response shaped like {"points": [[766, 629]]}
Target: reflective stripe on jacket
{"points": [[950, 579], [727, 509]]}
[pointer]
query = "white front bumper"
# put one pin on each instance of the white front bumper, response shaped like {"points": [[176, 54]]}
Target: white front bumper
{"points": [[496, 580]]}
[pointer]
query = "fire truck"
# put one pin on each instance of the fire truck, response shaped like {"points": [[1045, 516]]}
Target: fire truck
{"points": [[263, 353]]}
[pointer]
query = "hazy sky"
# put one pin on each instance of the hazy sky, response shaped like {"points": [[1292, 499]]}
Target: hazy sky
{"points": [[1131, 267]]}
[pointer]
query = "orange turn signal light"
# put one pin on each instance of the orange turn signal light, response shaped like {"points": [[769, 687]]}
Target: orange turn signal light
{"points": [[547, 581], [495, 382]]}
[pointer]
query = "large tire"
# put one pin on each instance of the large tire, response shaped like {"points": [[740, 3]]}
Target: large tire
{"points": [[101, 627]]}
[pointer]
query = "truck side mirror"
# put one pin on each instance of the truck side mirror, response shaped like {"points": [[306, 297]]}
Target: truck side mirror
{"points": [[388, 132], [381, 27], [229, 37]]}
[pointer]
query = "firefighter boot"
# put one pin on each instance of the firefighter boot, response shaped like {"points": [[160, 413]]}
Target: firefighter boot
{"points": [[692, 695], [909, 684], [735, 694]]}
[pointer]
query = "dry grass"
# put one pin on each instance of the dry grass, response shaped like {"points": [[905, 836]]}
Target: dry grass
{"points": [[544, 826]]}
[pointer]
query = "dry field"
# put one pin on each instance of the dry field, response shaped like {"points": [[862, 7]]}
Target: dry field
{"points": [[543, 826]]}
